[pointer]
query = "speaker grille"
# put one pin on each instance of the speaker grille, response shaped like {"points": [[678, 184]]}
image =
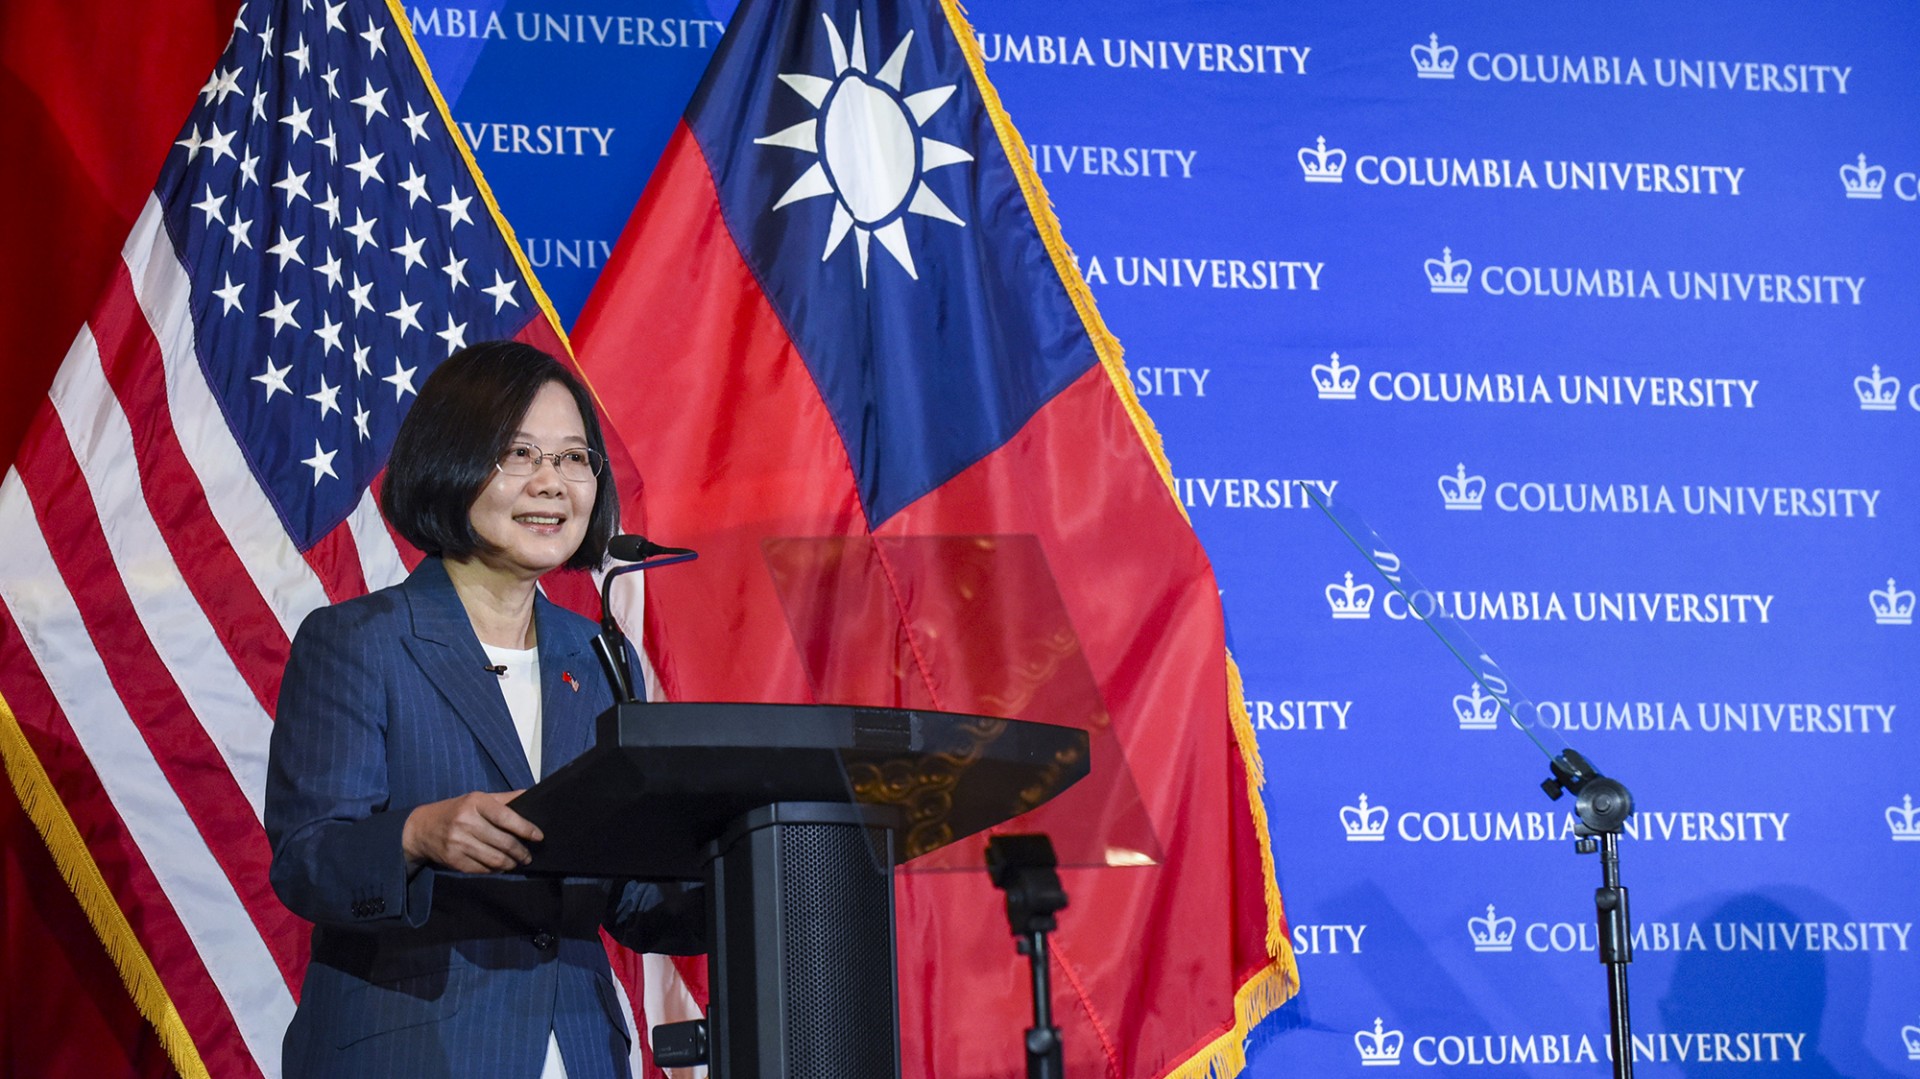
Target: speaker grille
{"points": [[840, 983]]}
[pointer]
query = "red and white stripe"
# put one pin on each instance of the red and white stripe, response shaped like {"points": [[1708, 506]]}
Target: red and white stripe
{"points": [[123, 709], [155, 593]]}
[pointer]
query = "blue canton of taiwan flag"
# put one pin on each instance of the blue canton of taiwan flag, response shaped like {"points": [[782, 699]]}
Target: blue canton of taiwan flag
{"points": [[855, 202], [198, 480]]}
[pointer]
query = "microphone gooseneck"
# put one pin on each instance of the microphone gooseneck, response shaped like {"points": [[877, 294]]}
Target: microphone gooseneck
{"points": [[611, 644]]}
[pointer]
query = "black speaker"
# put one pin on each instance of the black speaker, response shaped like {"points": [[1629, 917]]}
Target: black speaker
{"points": [[803, 945]]}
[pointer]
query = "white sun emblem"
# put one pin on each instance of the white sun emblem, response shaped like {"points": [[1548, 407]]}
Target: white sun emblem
{"points": [[872, 157]]}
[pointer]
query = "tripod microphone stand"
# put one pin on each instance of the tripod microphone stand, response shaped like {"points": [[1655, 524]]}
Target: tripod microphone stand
{"points": [[1603, 805], [1023, 867]]}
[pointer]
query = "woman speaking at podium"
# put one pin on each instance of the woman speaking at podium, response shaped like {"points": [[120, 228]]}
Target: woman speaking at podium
{"points": [[410, 717]]}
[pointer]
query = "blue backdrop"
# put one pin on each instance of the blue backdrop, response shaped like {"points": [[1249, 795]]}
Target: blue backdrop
{"points": [[1605, 317]]}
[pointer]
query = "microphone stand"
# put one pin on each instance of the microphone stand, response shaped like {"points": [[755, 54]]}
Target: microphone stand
{"points": [[675, 1045], [1023, 867], [1603, 805]]}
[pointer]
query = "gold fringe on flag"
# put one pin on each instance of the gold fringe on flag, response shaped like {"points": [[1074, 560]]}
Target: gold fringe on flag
{"points": [[1275, 984], [1278, 946], [70, 855], [1226, 1055]]}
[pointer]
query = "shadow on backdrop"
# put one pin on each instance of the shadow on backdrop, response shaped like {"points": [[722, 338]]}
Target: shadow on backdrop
{"points": [[1823, 993], [1415, 993]]}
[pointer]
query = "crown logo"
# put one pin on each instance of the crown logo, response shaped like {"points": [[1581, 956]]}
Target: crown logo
{"points": [[1434, 60], [1890, 608], [1476, 711], [1364, 823], [1350, 600], [1878, 392], [1492, 933], [1903, 819], [1447, 274], [1911, 1035], [1335, 381], [1863, 181], [1321, 165], [1461, 491], [1378, 1046]]}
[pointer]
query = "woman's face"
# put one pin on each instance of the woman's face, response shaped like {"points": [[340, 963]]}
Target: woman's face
{"points": [[535, 523]]}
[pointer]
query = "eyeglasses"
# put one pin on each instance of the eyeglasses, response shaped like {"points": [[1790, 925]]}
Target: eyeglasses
{"points": [[578, 465]]}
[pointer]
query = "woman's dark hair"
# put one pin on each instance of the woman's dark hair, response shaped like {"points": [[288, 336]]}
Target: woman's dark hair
{"points": [[465, 417]]}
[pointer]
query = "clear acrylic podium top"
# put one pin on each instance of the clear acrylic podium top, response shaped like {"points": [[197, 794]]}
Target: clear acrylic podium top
{"points": [[949, 693]]}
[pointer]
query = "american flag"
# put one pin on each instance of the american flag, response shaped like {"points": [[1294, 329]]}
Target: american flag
{"points": [[200, 478]]}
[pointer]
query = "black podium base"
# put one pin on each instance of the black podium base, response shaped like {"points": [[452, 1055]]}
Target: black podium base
{"points": [[803, 956]]}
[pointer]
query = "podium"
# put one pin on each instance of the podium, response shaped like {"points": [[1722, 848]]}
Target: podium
{"points": [[795, 817]]}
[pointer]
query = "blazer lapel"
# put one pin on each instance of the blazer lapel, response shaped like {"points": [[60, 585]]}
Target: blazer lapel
{"points": [[569, 701], [444, 645]]}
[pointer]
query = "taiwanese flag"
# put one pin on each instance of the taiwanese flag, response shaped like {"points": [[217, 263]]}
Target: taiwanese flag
{"points": [[842, 322]]}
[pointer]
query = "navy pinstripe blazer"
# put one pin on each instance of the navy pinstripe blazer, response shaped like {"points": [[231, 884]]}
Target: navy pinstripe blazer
{"points": [[385, 706]]}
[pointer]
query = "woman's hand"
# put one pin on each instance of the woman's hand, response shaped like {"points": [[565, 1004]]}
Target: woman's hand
{"points": [[474, 833]]}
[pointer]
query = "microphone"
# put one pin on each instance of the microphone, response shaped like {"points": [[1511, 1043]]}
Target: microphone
{"points": [[495, 668], [629, 548], [610, 646]]}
